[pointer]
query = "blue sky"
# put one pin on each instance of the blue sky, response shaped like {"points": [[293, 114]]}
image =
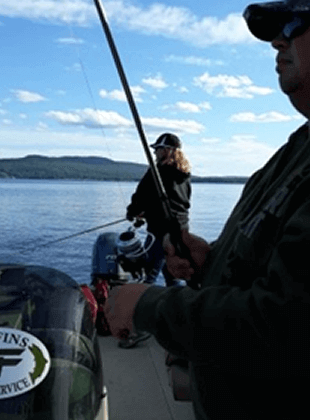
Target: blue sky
{"points": [[193, 67]]}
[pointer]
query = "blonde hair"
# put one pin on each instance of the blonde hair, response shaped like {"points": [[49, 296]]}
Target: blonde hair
{"points": [[175, 157]]}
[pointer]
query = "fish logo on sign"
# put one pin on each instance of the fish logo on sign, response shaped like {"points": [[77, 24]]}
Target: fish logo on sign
{"points": [[24, 362]]}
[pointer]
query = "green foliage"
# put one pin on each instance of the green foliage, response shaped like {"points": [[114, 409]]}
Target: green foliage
{"points": [[80, 168], [85, 168]]}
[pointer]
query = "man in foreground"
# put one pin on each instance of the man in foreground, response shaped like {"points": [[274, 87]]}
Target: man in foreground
{"points": [[246, 332]]}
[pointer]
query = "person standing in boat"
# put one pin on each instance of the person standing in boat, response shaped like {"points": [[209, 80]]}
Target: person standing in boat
{"points": [[174, 169]]}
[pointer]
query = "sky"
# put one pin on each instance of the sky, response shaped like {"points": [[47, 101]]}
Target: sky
{"points": [[192, 66]]}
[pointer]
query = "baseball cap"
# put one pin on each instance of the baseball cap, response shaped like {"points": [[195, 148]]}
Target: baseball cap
{"points": [[167, 140], [267, 20]]}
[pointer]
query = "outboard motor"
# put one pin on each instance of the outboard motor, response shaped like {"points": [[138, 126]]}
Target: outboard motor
{"points": [[50, 365], [104, 258], [116, 260]]}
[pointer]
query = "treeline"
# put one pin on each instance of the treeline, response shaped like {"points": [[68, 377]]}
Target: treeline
{"points": [[79, 168], [84, 168]]}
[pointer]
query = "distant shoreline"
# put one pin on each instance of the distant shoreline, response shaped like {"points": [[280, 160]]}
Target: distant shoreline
{"points": [[37, 167], [220, 180]]}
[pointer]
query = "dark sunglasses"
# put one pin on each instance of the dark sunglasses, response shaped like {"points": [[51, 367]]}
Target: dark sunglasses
{"points": [[296, 27]]}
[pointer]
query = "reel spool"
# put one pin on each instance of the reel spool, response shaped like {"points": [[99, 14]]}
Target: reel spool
{"points": [[132, 252]]}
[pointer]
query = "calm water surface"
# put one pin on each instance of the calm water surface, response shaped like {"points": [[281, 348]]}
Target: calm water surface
{"points": [[33, 213]]}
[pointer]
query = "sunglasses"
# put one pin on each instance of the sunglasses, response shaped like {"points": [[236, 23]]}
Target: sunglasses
{"points": [[296, 27]]}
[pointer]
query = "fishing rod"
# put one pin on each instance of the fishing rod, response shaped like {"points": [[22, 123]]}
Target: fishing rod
{"points": [[162, 195], [65, 238], [156, 176]]}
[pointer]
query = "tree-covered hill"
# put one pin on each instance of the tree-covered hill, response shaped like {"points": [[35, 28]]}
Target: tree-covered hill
{"points": [[41, 167], [84, 168]]}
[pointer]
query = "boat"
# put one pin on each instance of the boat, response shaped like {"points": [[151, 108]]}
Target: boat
{"points": [[57, 363]]}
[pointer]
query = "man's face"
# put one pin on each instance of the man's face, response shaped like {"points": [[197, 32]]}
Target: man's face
{"points": [[293, 64]]}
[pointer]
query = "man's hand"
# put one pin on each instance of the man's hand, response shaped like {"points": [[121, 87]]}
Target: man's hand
{"points": [[179, 267], [119, 308]]}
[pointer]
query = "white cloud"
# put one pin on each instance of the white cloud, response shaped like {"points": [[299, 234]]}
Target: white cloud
{"points": [[241, 155], [75, 67], [6, 121], [178, 126], [119, 95], [90, 118], [70, 41], [224, 85], [267, 117], [27, 96], [193, 61], [180, 23], [3, 112], [189, 107], [41, 126], [156, 82], [210, 140], [64, 11], [183, 89], [157, 19]]}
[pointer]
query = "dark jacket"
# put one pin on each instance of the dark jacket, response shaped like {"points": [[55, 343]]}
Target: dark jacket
{"points": [[145, 199], [247, 332]]}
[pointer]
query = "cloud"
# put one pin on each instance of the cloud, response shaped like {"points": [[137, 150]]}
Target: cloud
{"points": [[242, 154], [27, 97], [90, 118], [156, 82], [64, 11], [121, 145], [119, 95], [41, 126], [6, 121], [177, 126], [157, 19], [182, 89], [180, 23], [193, 61], [224, 85], [267, 117], [210, 140], [14, 142], [189, 107], [74, 68], [70, 41]]}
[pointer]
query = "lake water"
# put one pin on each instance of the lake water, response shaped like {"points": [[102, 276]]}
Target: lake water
{"points": [[36, 212]]}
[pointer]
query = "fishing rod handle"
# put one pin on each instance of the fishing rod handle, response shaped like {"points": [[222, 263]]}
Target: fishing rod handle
{"points": [[183, 251]]}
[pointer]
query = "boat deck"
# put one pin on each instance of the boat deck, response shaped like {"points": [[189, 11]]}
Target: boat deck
{"points": [[137, 383]]}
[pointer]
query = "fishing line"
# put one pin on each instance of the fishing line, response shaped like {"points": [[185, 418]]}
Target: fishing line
{"points": [[65, 238], [96, 109]]}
